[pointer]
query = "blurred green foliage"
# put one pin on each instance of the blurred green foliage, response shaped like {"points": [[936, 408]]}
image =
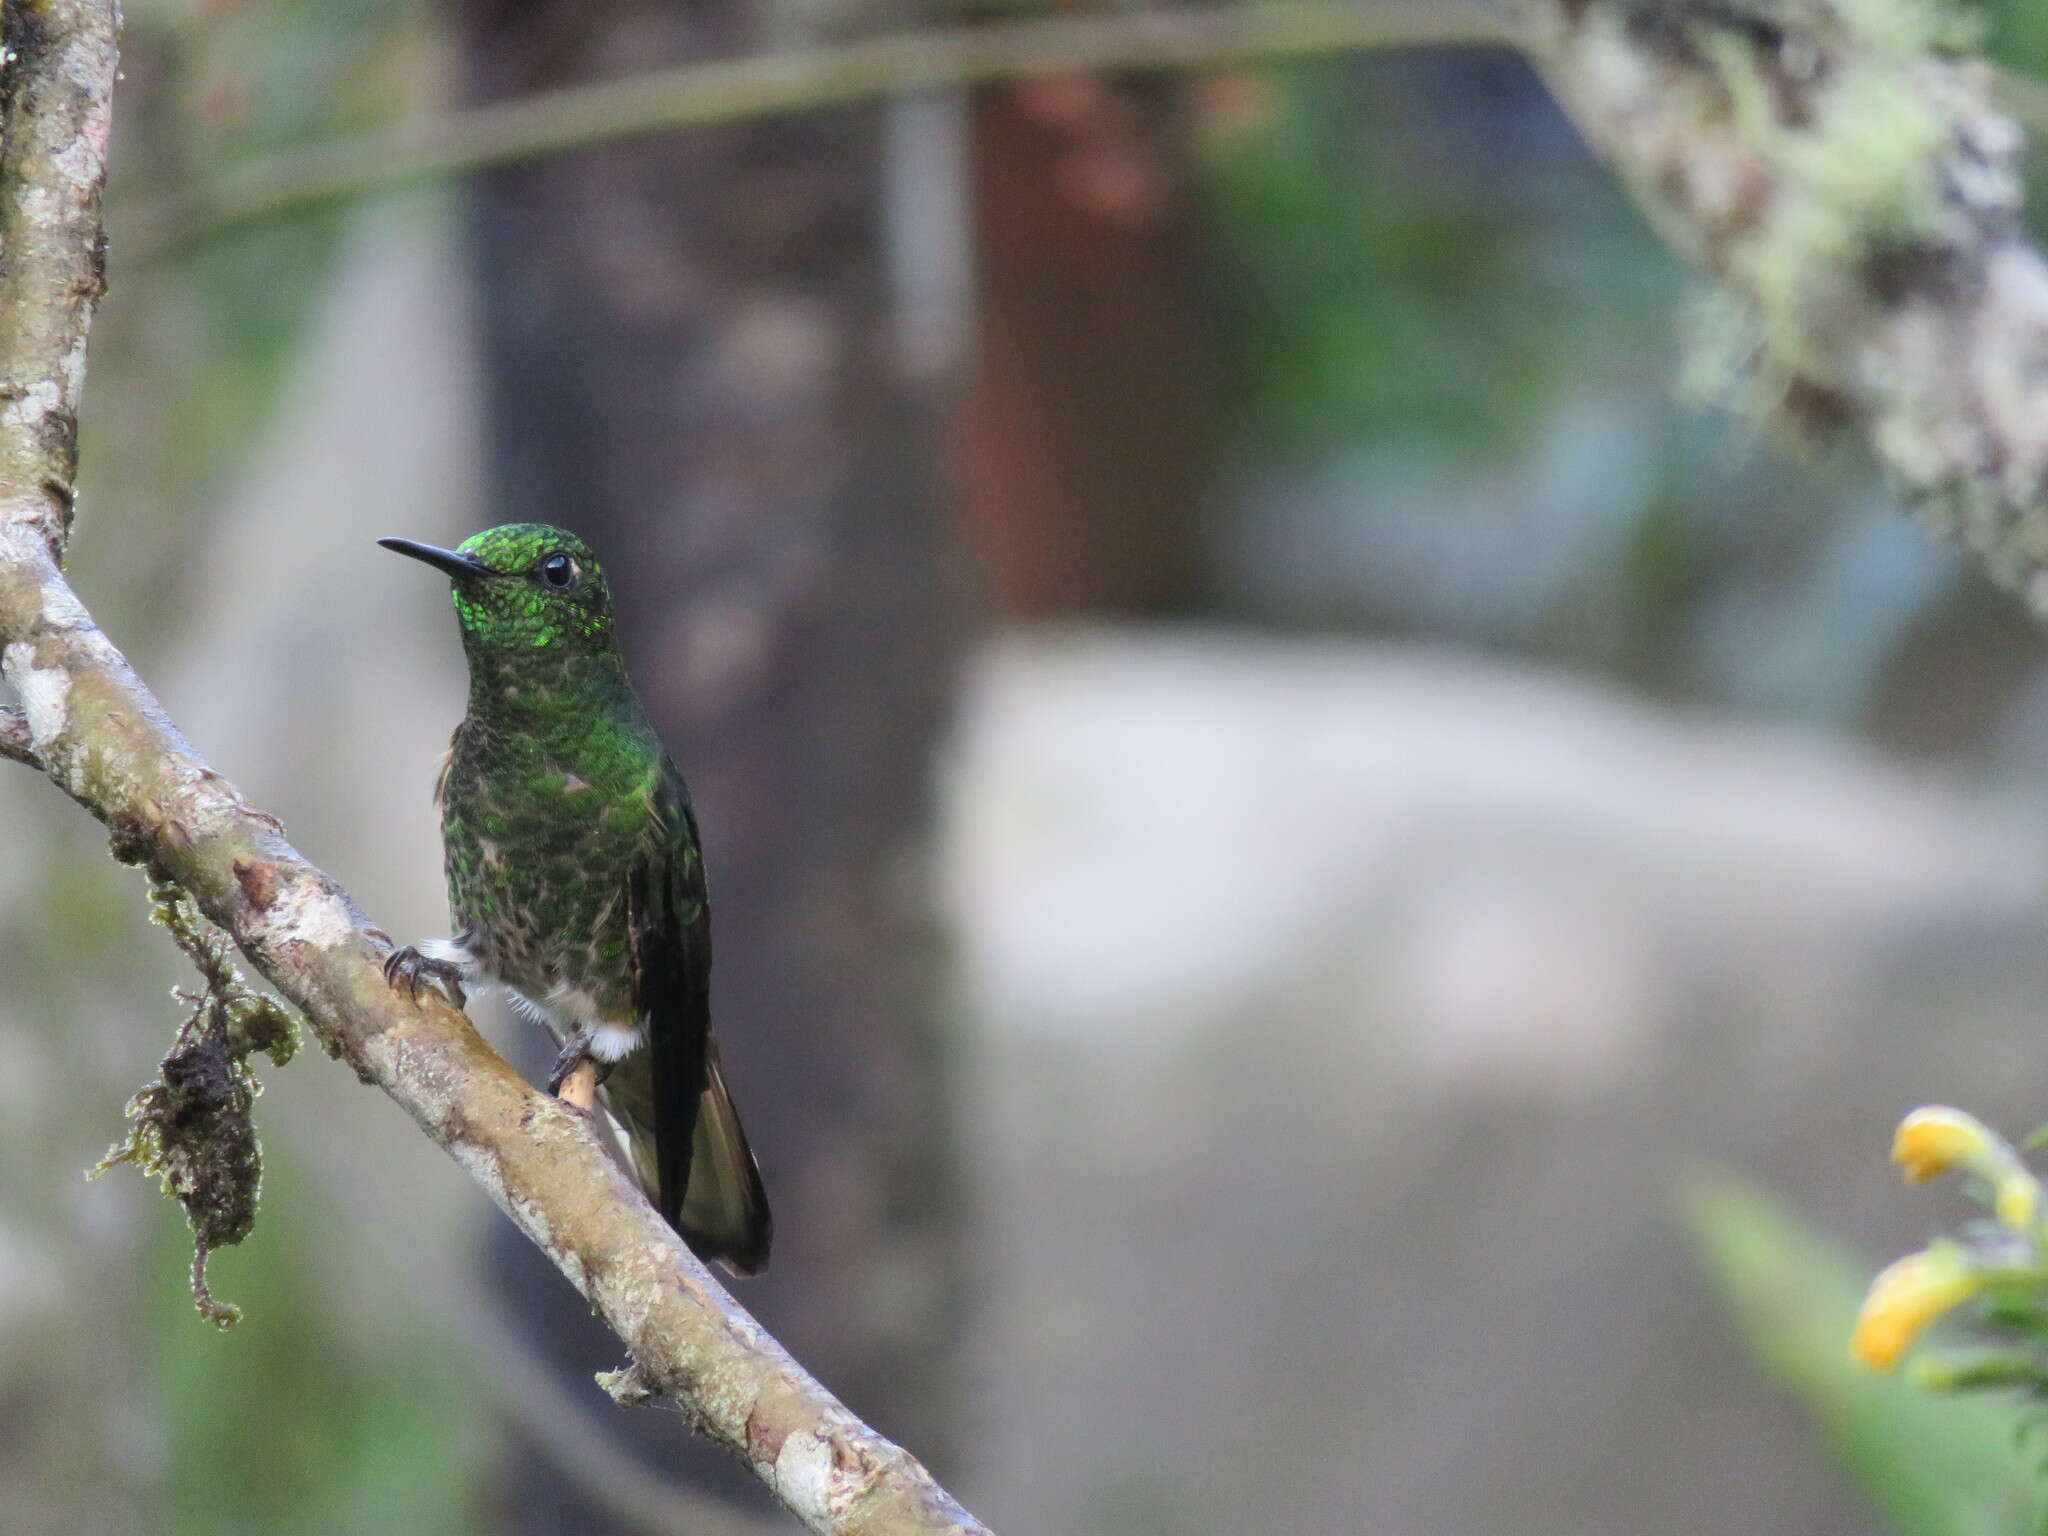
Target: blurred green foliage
{"points": [[1933, 1465], [277, 1427], [251, 81], [194, 343], [1366, 293], [1451, 353], [2017, 34]]}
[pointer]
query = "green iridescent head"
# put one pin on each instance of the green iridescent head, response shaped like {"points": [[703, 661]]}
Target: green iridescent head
{"points": [[524, 586]]}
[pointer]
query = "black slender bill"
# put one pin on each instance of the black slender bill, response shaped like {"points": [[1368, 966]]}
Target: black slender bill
{"points": [[448, 560]]}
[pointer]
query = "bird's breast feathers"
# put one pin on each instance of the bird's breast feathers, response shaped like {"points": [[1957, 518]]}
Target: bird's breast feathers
{"points": [[564, 1007]]}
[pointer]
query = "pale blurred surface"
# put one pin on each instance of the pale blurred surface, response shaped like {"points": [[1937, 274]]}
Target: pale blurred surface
{"points": [[1346, 1018]]}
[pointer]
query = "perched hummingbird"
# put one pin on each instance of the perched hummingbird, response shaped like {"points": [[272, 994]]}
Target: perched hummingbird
{"points": [[576, 879]]}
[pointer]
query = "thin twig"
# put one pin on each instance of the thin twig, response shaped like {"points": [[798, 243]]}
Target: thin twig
{"points": [[734, 90], [730, 90], [103, 738]]}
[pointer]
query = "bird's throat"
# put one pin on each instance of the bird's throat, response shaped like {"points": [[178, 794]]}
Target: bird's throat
{"points": [[530, 690]]}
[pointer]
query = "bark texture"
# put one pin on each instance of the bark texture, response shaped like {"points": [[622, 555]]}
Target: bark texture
{"points": [[56, 105]]}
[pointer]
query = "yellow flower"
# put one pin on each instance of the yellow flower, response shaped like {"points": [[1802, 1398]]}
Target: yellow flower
{"points": [[2018, 1202], [1904, 1299], [1931, 1141], [1937, 1139]]}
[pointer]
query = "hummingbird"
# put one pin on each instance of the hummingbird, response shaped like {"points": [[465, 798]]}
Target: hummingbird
{"points": [[576, 877]]}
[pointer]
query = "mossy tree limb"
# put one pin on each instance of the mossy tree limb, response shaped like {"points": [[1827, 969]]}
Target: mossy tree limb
{"points": [[102, 737], [193, 1128], [1855, 195], [56, 108]]}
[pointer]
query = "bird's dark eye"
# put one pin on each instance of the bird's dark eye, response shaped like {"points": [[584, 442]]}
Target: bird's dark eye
{"points": [[558, 571]]}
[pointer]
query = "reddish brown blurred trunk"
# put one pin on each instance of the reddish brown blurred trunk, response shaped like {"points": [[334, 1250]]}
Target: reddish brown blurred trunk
{"points": [[1088, 436], [691, 359]]}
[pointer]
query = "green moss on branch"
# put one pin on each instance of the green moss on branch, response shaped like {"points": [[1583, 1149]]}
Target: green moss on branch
{"points": [[193, 1128]]}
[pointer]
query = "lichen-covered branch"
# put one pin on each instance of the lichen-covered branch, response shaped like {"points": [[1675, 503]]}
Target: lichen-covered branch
{"points": [[102, 737], [192, 1128], [56, 111], [1855, 195]]}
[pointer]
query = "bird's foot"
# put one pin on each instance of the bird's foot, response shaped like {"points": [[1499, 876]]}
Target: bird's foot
{"points": [[577, 1073], [410, 969]]}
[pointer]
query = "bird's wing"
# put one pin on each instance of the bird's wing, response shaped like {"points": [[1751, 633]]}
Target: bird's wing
{"points": [[669, 931], [725, 1211], [707, 1183]]}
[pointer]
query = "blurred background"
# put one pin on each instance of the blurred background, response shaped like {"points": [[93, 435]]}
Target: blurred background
{"points": [[1325, 900]]}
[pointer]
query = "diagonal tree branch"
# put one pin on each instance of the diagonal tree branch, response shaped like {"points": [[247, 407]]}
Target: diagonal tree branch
{"points": [[103, 738]]}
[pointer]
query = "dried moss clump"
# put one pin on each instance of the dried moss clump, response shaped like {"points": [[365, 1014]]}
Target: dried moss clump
{"points": [[192, 1128]]}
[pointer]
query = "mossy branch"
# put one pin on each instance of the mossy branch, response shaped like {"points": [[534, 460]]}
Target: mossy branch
{"points": [[1853, 190], [102, 737], [192, 1129], [54, 121]]}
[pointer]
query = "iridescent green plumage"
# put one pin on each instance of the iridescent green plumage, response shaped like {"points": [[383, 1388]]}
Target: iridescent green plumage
{"points": [[574, 871]]}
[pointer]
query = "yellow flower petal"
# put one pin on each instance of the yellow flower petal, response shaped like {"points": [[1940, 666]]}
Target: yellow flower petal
{"points": [[1933, 1140], [2018, 1204], [1937, 1140], [1904, 1299]]}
